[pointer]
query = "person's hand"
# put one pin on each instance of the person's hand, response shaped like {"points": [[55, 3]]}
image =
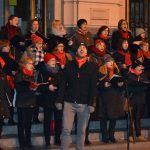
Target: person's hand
{"points": [[52, 87], [58, 106], [21, 43], [120, 84], [107, 84], [124, 66], [33, 86], [91, 109]]}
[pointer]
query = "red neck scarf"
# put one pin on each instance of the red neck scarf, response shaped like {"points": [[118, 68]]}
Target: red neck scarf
{"points": [[127, 57], [124, 34], [103, 37], [134, 72], [140, 55], [80, 31], [146, 54], [97, 52], [12, 31], [27, 72], [81, 61], [110, 72], [61, 56]]}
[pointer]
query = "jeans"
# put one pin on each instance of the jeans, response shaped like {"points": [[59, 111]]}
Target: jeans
{"points": [[69, 112]]}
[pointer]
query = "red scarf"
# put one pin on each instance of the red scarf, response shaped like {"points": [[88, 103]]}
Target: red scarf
{"points": [[12, 31], [124, 34], [103, 37], [27, 72], [61, 56], [110, 72], [82, 32], [140, 55], [127, 57], [146, 54], [134, 72], [81, 61], [97, 52]]}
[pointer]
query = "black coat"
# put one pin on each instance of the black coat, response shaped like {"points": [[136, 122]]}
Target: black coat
{"points": [[25, 97], [110, 99], [49, 97], [137, 84], [10, 63], [5, 97], [79, 84]]}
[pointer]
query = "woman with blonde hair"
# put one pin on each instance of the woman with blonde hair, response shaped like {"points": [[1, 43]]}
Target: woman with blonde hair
{"points": [[109, 102], [58, 33]]}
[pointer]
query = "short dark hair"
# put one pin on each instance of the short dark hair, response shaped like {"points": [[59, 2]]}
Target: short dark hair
{"points": [[80, 22], [11, 17], [102, 28]]}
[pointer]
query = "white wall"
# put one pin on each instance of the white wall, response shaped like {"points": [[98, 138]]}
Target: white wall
{"points": [[97, 12]]}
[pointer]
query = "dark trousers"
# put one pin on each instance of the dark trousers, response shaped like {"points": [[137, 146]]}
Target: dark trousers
{"points": [[107, 132], [24, 125], [136, 110], [58, 123], [1, 125]]}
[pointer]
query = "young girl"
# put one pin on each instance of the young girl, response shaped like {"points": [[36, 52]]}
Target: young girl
{"points": [[26, 99], [51, 74]]}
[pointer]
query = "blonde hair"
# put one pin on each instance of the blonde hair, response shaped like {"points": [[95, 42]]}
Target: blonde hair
{"points": [[24, 60], [103, 69]]}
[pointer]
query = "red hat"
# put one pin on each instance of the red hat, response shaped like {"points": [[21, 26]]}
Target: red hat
{"points": [[98, 41], [48, 56]]}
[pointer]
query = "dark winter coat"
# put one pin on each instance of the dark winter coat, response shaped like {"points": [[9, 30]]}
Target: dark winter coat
{"points": [[25, 97], [5, 97], [52, 78], [79, 84], [78, 38], [109, 101], [137, 85], [10, 63]]}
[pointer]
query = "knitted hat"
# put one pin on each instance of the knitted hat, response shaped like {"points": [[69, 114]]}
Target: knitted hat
{"points": [[107, 58], [80, 22], [3, 43], [82, 44], [48, 56], [136, 63], [98, 41], [139, 31]]}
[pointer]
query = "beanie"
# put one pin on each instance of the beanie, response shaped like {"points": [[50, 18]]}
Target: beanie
{"points": [[80, 22], [48, 56], [98, 41], [107, 58], [139, 31], [136, 63]]}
